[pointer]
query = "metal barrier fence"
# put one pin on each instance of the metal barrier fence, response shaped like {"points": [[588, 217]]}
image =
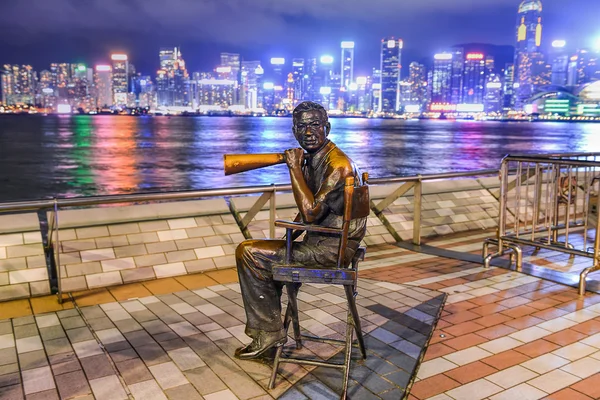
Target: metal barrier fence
{"points": [[551, 203], [267, 194]]}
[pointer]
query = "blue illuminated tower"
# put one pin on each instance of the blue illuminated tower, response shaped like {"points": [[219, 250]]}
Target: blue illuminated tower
{"points": [[391, 57], [528, 56]]}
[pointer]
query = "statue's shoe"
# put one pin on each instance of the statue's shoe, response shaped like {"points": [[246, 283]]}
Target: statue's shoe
{"points": [[260, 345]]}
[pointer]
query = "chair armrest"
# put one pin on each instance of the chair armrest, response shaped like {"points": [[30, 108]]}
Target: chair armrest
{"points": [[309, 228]]}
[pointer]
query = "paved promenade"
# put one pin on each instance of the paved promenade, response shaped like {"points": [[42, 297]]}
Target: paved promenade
{"points": [[471, 333]]}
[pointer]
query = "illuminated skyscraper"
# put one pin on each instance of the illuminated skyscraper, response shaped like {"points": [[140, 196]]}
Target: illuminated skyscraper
{"points": [[474, 80], [493, 93], [120, 78], [251, 71], [18, 84], [300, 79], [418, 84], [528, 58], [508, 86], [103, 83], [391, 59], [441, 78], [458, 75], [172, 79], [560, 63], [347, 67]]}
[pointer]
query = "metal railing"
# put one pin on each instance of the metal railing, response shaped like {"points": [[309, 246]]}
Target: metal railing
{"points": [[552, 202], [267, 194]]}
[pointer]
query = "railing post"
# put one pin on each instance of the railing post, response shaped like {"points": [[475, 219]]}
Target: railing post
{"points": [[56, 247], [272, 209], [417, 212]]}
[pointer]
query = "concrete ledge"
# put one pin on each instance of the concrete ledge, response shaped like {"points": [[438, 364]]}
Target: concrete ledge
{"points": [[143, 212], [10, 223]]}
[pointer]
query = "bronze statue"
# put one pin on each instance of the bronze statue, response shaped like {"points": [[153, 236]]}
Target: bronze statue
{"points": [[317, 178]]}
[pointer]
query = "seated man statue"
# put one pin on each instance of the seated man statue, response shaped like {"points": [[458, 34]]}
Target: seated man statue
{"points": [[318, 179]]}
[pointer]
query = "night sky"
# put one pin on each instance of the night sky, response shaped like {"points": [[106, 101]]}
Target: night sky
{"points": [[38, 32]]}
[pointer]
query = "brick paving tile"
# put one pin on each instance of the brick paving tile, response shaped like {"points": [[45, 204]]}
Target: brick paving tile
{"points": [[497, 331], [462, 316], [549, 313], [134, 371], [524, 322], [589, 386], [537, 348], [437, 350], [505, 359], [491, 320], [588, 328], [97, 366], [463, 328], [470, 372], [519, 311], [72, 384], [433, 386], [567, 394], [565, 337], [465, 341], [489, 309]]}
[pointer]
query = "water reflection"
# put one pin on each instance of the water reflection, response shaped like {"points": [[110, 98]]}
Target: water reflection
{"points": [[88, 155]]}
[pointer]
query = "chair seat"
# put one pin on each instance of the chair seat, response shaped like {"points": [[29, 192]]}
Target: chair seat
{"points": [[303, 274]]}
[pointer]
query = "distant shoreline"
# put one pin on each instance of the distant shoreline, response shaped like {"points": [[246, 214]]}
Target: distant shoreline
{"points": [[570, 120]]}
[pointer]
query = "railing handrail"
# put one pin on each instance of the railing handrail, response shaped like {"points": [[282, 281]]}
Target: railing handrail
{"points": [[31, 205]]}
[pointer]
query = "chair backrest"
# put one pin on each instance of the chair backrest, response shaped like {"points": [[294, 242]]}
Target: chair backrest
{"points": [[356, 205]]}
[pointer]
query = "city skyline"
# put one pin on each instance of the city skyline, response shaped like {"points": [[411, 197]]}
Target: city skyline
{"points": [[64, 34]]}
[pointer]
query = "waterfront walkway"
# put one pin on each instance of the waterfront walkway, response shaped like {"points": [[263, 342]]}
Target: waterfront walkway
{"points": [[472, 333]]}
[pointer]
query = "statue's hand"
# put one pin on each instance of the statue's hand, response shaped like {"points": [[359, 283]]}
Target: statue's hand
{"points": [[294, 158]]}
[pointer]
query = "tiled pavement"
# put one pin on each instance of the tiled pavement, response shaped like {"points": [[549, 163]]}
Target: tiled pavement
{"points": [[502, 335]]}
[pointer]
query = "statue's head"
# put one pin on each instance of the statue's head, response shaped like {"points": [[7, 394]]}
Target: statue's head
{"points": [[311, 126]]}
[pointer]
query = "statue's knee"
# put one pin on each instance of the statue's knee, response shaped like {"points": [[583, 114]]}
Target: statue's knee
{"points": [[242, 249]]}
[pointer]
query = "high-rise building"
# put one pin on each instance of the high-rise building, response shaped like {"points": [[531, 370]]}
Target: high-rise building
{"points": [[588, 66], [120, 78], [560, 63], [251, 70], [458, 75], [474, 80], [391, 64], [528, 57], [347, 64], [418, 84], [103, 83], [172, 79], [441, 78], [493, 100], [300, 79], [232, 61], [508, 87], [18, 84]]}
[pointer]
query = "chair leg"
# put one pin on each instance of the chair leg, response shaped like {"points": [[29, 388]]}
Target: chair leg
{"points": [[347, 356], [292, 291], [352, 310], [275, 367]]}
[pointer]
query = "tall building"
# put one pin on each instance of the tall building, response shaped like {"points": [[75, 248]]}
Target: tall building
{"points": [[475, 79], [347, 64], [300, 79], [120, 78], [493, 100], [172, 79], [441, 78], [232, 61], [560, 63], [458, 75], [418, 84], [588, 66], [250, 75], [508, 87], [391, 64], [528, 57], [103, 83], [18, 84]]}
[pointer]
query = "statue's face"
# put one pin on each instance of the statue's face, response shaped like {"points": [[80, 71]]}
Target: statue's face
{"points": [[311, 130]]}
